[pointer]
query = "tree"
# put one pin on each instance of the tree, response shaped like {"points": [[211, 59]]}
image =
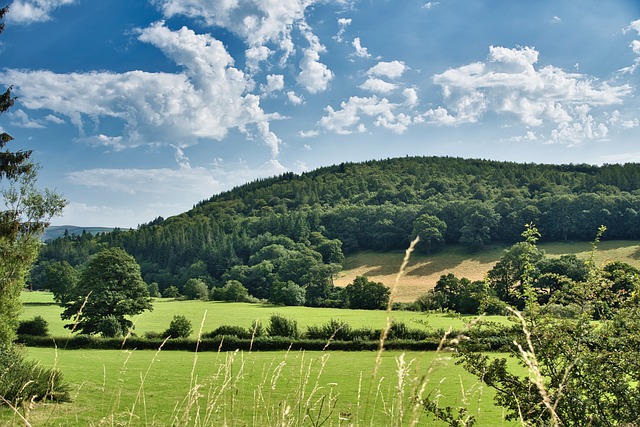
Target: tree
{"points": [[365, 294], [580, 372], [232, 291], [196, 289], [61, 279], [111, 285], [180, 327], [431, 230], [24, 213]]}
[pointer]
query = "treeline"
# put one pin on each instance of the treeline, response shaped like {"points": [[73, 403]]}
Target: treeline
{"points": [[295, 229]]}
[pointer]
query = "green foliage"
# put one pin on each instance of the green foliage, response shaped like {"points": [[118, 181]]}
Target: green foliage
{"points": [[281, 326], [288, 294], [109, 327], [62, 279], [171, 292], [180, 327], [23, 380], [110, 285], [365, 294], [232, 291], [229, 330], [154, 290], [580, 372], [431, 231], [37, 326], [196, 289]]}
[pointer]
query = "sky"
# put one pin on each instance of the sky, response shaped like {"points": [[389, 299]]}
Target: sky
{"points": [[139, 109]]}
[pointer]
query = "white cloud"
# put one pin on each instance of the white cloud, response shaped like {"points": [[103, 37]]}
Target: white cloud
{"points": [[204, 102], [411, 96], [556, 20], [256, 54], [378, 85], [635, 47], [360, 51], [275, 82], [54, 119], [616, 119], [343, 23], [294, 99], [392, 70], [430, 5], [21, 119], [32, 11], [344, 120], [314, 75], [509, 83]]}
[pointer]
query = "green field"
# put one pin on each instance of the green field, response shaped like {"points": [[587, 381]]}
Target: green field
{"points": [[243, 314], [144, 388]]}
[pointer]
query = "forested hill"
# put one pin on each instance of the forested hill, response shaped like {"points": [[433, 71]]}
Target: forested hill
{"points": [[247, 233]]}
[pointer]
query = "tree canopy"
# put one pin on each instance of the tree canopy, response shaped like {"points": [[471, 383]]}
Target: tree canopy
{"points": [[111, 287]]}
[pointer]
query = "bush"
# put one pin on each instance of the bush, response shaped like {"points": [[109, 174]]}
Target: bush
{"points": [[24, 380], [227, 330], [180, 327], [336, 329], [280, 326], [196, 289], [232, 291], [109, 327], [36, 326]]}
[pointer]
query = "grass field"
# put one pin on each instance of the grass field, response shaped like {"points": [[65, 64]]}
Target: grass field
{"points": [[145, 388], [424, 270], [243, 314]]}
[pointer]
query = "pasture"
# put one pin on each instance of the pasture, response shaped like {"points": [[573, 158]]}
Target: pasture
{"points": [[147, 388], [211, 314]]}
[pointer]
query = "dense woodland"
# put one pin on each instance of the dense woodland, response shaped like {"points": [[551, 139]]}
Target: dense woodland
{"points": [[291, 232]]}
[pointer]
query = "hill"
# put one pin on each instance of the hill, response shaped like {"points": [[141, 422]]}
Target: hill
{"points": [[294, 230], [55, 231], [424, 271]]}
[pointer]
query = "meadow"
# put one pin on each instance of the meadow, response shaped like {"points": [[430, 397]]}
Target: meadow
{"points": [[147, 388], [332, 388], [211, 314]]}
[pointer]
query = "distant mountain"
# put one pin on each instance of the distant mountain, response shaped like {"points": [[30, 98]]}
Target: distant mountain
{"points": [[55, 231]]}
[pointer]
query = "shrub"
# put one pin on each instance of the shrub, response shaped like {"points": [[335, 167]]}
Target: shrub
{"points": [[180, 327], [338, 329], [109, 327], [24, 380], [36, 326], [232, 291], [228, 330], [280, 326]]}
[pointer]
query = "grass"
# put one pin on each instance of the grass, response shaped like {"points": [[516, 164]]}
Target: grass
{"points": [[243, 314], [181, 388], [424, 271]]}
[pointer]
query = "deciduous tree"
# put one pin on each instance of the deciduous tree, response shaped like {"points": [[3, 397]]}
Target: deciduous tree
{"points": [[111, 285]]}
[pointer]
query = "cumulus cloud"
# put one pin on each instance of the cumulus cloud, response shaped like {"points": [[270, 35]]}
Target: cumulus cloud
{"points": [[54, 119], [32, 11], [203, 102], [343, 23], [314, 75], [509, 83], [392, 70], [635, 47], [347, 119], [361, 52], [378, 85], [275, 82], [293, 98]]}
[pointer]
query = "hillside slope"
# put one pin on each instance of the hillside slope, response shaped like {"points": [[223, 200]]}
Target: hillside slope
{"points": [[424, 271]]}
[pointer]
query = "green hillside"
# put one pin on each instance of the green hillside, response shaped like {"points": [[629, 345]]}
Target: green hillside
{"points": [[295, 230]]}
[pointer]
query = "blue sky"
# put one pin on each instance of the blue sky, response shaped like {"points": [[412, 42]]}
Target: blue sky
{"points": [[138, 109]]}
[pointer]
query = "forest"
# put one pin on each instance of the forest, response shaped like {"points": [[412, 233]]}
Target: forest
{"points": [[287, 235]]}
